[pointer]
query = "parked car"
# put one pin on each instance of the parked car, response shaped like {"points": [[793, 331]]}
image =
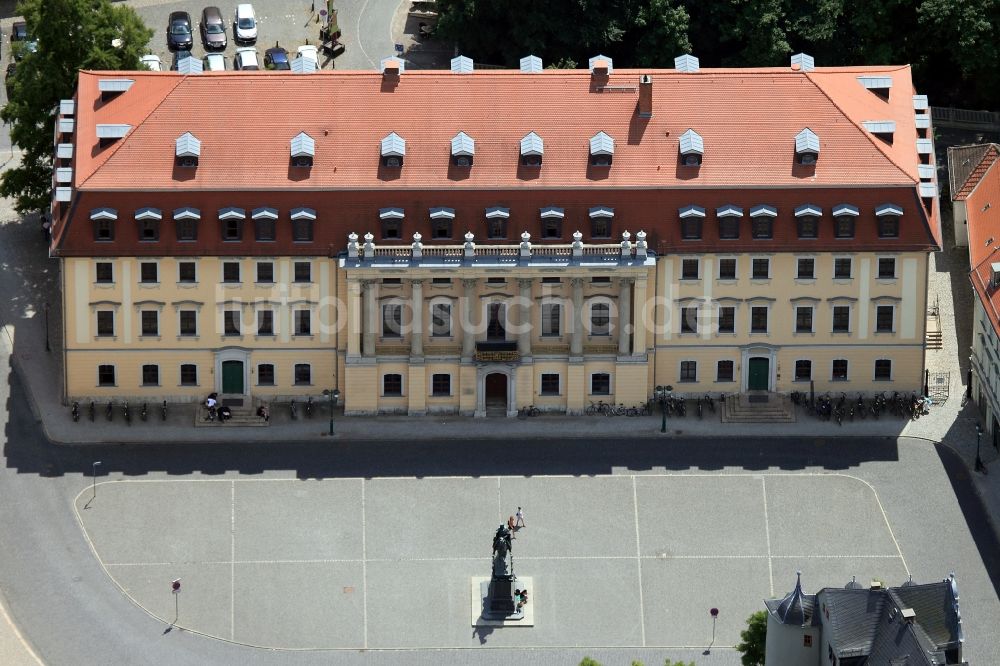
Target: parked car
{"points": [[276, 58], [214, 62], [309, 51], [179, 35], [213, 29], [178, 56], [246, 59], [245, 25], [152, 62]]}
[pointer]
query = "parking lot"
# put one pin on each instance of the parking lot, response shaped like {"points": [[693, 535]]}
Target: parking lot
{"points": [[386, 563]]}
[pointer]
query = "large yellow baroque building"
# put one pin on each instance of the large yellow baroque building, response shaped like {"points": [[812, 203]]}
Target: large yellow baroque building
{"points": [[430, 241]]}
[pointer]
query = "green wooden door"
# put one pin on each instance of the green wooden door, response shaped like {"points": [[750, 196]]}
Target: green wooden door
{"points": [[232, 376], [758, 374]]}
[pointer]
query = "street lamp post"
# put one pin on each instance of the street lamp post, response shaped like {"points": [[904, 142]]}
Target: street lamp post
{"points": [[660, 395], [334, 394], [980, 467], [93, 468]]}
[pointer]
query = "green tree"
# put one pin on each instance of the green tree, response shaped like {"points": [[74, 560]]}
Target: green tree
{"points": [[663, 33], [72, 35], [587, 661], [753, 640]]}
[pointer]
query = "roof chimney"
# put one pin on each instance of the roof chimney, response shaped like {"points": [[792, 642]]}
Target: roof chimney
{"points": [[908, 614], [645, 96], [391, 68]]}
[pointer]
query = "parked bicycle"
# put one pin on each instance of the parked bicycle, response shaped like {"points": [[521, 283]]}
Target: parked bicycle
{"points": [[75, 411], [291, 409], [144, 412], [309, 407], [109, 411], [93, 409], [125, 413], [529, 410], [163, 411]]}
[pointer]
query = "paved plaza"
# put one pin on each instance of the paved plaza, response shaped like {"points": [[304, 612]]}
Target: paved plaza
{"points": [[616, 561]]}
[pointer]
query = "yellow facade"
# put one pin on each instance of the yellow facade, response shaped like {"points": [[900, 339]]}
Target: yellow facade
{"points": [[332, 326]]}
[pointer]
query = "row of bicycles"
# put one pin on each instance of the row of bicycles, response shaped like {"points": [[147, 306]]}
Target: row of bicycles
{"points": [[109, 411], [827, 408]]}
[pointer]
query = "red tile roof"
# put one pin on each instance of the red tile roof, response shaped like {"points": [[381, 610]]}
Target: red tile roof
{"points": [[972, 162], [982, 205], [747, 117]]}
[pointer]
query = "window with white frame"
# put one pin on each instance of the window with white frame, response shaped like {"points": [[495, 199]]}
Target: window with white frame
{"points": [[760, 268], [689, 319], [805, 268], [104, 272], [105, 323], [150, 375], [886, 268], [187, 322], [758, 318], [302, 320], [689, 371], [841, 319], [441, 320], [440, 384], [265, 322], [883, 370], [689, 269], [392, 320], [839, 372], [727, 268], [727, 319], [600, 383], [551, 319], [105, 375], [803, 370], [303, 374], [265, 374], [303, 271], [150, 322], [187, 272], [231, 272], [265, 272], [803, 319], [189, 374], [549, 383], [885, 316], [842, 268], [392, 385], [600, 318], [148, 272], [724, 371]]}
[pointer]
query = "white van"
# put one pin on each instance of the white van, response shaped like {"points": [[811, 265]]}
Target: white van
{"points": [[245, 25]]}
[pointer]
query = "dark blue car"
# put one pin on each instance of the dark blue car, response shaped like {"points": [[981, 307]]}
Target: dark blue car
{"points": [[276, 58], [179, 33]]}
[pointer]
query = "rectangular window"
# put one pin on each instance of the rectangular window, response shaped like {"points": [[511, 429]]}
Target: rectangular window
{"points": [[496, 280], [883, 370], [806, 269], [392, 229], [689, 371], [689, 320], [303, 374], [105, 323], [440, 385], [265, 322], [264, 229], [600, 227], [104, 230], [441, 320], [691, 228], [105, 272], [761, 269], [600, 319], [727, 269], [729, 228], [842, 268], [441, 281], [150, 322], [303, 322], [761, 227], [884, 318], [727, 319], [105, 375], [265, 374], [149, 230], [841, 318], [804, 319], [231, 271], [886, 268], [232, 230], [265, 272], [601, 279], [496, 228], [839, 370], [600, 383], [392, 320], [551, 280], [392, 385], [550, 384], [551, 315], [188, 324], [231, 322], [888, 226], [148, 272], [808, 226], [187, 230], [186, 272], [189, 374], [843, 226], [303, 271], [803, 370], [441, 229], [150, 375], [302, 231], [724, 371], [689, 269], [552, 228], [758, 319]]}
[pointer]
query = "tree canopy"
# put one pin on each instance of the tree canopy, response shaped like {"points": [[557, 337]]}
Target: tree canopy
{"points": [[71, 35], [953, 45], [753, 640]]}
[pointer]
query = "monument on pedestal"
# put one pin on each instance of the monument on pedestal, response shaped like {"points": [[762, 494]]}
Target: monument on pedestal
{"points": [[500, 600]]}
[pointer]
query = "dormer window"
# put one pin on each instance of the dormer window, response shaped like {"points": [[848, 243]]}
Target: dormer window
{"points": [[879, 85], [729, 217], [843, 220], [104, 223], [463, 149], [806, 147], [496, 222], [532, 148], [441, 222], [392, 223], [187, 151], [692, 148], [111, 88], [887, 216], [995, 275], [691, 222], [762, 222], [552, 219], [393, 150], [148, 223], [108, 134], [882, 129], [602, 150], [231, 223], [807, 219], [600, 221], [303, 149]]}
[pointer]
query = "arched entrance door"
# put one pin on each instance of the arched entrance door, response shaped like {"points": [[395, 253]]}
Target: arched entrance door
{"points": [[496, 394]]}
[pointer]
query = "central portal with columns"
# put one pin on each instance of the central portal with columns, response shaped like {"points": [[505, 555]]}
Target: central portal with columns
{"points": [[486, 378]]}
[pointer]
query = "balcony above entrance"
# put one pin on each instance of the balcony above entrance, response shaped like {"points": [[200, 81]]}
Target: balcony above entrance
{"points": [[492, 351], [627, 253]]}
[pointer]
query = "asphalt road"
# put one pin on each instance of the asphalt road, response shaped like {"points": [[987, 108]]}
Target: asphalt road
{"points": [[69, 611]]}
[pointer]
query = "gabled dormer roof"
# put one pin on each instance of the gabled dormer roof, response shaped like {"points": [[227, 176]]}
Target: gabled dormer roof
{"points": [[393, 146], [532, 144], [463, 145], [187, 145], [303, 145]]}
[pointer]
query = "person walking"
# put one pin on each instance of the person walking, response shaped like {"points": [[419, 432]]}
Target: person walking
{"points": [[520, 518]]}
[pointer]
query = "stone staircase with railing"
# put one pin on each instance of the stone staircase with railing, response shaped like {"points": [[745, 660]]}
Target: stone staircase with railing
{"points": [[758, 408]]}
